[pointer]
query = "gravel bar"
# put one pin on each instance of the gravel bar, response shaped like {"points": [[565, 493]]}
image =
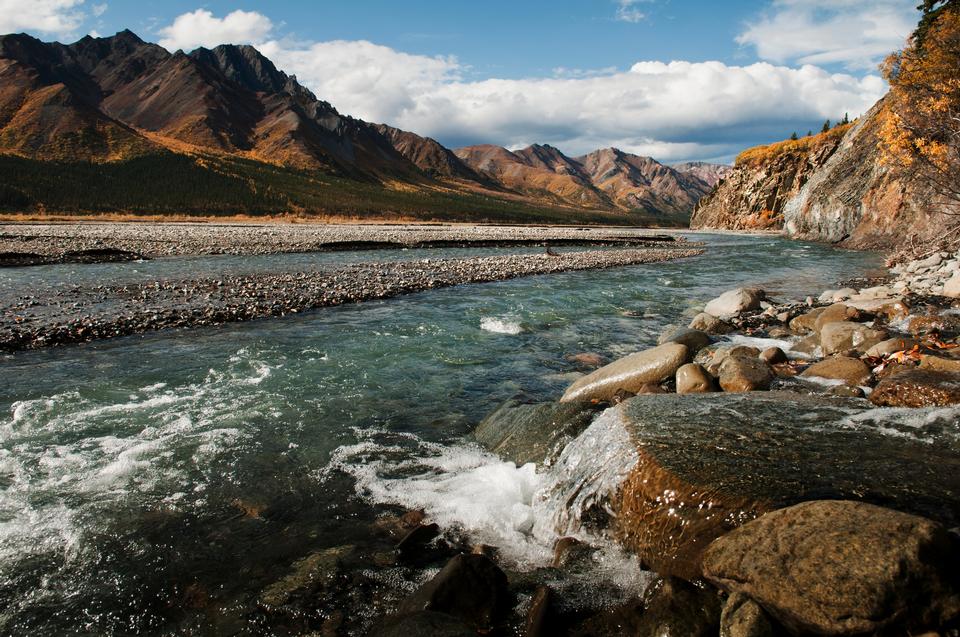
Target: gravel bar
{"points": [[41, 243], [81, 314]]}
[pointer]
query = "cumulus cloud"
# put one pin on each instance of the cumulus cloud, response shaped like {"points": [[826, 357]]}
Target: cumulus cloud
{"points": [[58, 17], [673, 111], [202, 28], [849, 32]]}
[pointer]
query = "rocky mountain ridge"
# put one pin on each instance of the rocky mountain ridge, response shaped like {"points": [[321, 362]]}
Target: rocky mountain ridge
{"points": [[118, 99]]}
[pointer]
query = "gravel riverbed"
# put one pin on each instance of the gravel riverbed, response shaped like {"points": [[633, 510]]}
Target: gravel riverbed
{"points": [[26, 243], [85, 313]]}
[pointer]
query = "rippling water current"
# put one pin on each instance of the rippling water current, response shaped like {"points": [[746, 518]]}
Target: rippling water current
{"points": [[157, 484]]}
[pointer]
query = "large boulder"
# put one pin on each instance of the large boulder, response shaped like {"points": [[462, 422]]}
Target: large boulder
{"points": [[852, 371], [710, 324], [733, 302], [630, 374], [918, 388], [843, 336], [470, 587], [745, 374], [695, 340], [683, 470], [842, 568], [537, 433]]}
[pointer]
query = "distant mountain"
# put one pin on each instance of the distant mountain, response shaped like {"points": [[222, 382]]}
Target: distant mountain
{"points": [[706, 172], [227, 121]]}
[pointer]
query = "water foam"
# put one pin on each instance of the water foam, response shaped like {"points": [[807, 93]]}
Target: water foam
{"points": [[500, 325]]}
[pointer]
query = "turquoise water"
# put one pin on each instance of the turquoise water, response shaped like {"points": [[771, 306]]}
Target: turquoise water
{"points": [[156, 484]]}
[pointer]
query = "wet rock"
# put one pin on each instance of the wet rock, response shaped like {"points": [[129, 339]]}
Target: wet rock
{"points": [[695, 340], [940, 364], [620, 620], [705, 464], [809, 346], [918, 388], [676, 607], [723, 353], [570, 550], [710, 324], [773, 356], [745, 374], [522, 433], [836, 313], [650, 366], [891, 345], [422, 623], [847, 391], [843, 336], [470, 587], [734, 302], [841, 568], [806, 322], [693, 379], [307, 576], [743, 617], [648, 388], [417, 538], [538, 621], [852, 371]]}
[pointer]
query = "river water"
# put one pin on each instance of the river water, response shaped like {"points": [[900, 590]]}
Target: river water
{"points": [[157, 484]]}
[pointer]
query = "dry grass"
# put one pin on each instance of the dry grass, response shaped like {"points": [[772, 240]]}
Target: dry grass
{"points": [[763, 154], [30, 217]]}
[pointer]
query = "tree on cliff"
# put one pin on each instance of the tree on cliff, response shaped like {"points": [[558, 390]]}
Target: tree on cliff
{"points": [[921, 126]]}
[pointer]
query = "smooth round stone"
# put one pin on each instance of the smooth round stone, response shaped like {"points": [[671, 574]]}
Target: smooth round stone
{"points": [[852, 371], [630, 373], [694, 379]]}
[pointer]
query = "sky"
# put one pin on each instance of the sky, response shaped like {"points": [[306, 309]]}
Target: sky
{"points": [[674, 79]]}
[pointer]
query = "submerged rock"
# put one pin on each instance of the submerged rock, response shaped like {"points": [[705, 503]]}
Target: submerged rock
{"points": [[842, 568], [307, 576], [630, 374], [918, 388], [703, 465], [522, 433]]}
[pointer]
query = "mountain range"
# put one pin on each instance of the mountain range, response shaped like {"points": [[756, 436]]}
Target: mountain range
{"points": [[123, 125]]}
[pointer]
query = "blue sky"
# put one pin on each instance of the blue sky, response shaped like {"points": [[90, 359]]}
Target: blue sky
{"points": [[674, 79]]}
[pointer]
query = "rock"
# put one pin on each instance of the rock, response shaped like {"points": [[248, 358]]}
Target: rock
{"points": [[710, 324], [892, 309], [648, 388], [842, 568], [307, 576], [835, 296], [570, 550], [693, 379], [773, 356], [743, 617], [930, 262], [588, 359], [470, 587], [844, 336], [422, 623], [852, 371], [806, 322], [735, 351], [940, 364], [695, 340], [733, 302], [846, 391], [537, 622], [878, 292], [809, 346], [836, 313], [745, 374], [952, 287], [522, 433], [891, 345], [417, 537], [650, 366], [675, 607], [691, 468], [918, 388]]}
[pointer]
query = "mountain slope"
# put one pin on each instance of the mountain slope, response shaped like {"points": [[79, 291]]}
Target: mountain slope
{"points": [[710, 174]]}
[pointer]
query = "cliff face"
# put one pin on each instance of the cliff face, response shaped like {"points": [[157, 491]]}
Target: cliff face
{"points": [[832, 189]]}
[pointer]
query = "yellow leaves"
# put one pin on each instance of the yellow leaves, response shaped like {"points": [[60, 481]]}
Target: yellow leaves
{"points": [[763, 154]]}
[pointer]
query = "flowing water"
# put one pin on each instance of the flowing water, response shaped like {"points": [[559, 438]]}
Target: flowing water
{"points": [[156, 484]]}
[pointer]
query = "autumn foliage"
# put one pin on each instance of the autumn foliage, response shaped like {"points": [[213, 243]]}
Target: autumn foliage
{"points": [[920, 131], [763, 154]]}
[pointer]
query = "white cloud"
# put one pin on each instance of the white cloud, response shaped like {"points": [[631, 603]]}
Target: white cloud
{"points": [[202, 28], [675, 110], [849, 32], [58, 17], [99, 9], [627, 11]]}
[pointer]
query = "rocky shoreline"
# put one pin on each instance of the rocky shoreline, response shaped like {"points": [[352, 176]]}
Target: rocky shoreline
{"points": [[32, 243], [82, 314], [760, 475]]}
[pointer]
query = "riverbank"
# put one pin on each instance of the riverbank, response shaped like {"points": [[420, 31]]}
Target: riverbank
{"points": [[751, 462], [26, 243], [86, 313]]}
